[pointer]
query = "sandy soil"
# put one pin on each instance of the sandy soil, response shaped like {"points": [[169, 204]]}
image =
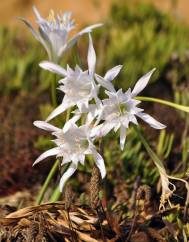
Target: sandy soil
{"points": [[83, 10]]}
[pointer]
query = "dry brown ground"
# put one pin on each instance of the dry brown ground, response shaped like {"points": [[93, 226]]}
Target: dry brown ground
{"points": [[83, 10]]}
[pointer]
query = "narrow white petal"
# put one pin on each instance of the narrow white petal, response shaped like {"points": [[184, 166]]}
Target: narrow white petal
{"points": [[104, 83], [28, 24], [70, 122], [91, 58], [133, 119], [70, 171], [100, 163], [44, 36], [89, 29], [82, 159], [48, 153], [116, 127], [81, 106], [141, 83], [110, 94], [105, 129], [73, 40], [47, 65], [46, 126], [60, 109], [37, 14], [96, 131], [112, 73], [65, 160], [37, 36], [90, 118], [151, 121], [122, 136], [75, 158]]}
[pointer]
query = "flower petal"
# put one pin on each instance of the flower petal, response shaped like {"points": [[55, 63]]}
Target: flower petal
{"points": [[112, 73], [104, 129], [28, 24], [100, 163], [104, 83], [151, 121], [37, 36], [122, 136], [37, 14], [141, 83], [70, 171], [73, 40], [46, 126], [96, 131], [91, 58], [70, 122], [82, 159], [89, 29], [47, 65], [60, 109], [51, 152]]}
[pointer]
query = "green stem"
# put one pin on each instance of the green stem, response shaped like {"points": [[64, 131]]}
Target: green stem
{"points": [[47, 181], [56, 194], [53, 92], [170, 104]]}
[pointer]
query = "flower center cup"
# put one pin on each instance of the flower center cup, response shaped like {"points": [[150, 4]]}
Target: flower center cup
{"points": [[81, 145], [77, 91], [122, 108]]}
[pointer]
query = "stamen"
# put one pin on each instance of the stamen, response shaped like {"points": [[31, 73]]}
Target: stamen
{"points": [[81, 145], [51, 17]]}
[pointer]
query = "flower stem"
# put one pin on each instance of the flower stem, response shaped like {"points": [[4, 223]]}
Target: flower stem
{"points": [[47, 181], [170, 104], [56, 164], [53, 92], [56, 194]]}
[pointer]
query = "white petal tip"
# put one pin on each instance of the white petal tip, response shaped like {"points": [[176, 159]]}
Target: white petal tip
{"points": [[162, 126], [35, 163], [103, 175], [60, 188], [48, 119], [36, 123]]}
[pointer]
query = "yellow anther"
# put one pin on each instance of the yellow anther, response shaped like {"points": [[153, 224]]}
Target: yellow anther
{"points": [[51, 17]]}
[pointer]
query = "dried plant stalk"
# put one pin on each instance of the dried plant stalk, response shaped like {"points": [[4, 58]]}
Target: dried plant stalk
{"points": [[68, 197], [155, 235], [95, 185]]}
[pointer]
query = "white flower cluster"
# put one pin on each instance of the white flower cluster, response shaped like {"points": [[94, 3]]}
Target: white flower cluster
{"points": [[81, 95]]}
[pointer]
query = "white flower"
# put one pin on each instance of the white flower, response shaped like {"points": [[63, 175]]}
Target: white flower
{"points": [[78, 86], [121, 108], [53, 33], [73, 143]]}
